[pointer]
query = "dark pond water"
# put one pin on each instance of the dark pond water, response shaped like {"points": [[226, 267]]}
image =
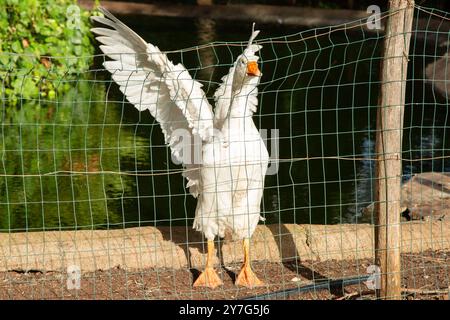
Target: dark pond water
{"points": [[320, 93]]}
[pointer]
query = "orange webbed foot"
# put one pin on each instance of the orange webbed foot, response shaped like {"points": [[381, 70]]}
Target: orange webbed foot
{"points": [[208, 278], [247, 278]]}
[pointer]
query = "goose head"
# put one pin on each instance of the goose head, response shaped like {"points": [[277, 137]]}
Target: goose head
{"points": [[246, 70]]}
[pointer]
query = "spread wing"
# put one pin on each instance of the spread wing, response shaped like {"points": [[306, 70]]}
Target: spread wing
{"points": [[223, 94], [150, 81]]}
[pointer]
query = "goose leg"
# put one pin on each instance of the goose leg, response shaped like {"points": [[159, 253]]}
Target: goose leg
{"points": [[247, 277], [209, 277]]}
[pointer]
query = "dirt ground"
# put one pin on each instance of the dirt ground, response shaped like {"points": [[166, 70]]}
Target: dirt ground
{"points": [[426, 276]]}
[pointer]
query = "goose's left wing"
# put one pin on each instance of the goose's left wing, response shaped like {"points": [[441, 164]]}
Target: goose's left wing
{"points": [[223, 94]]}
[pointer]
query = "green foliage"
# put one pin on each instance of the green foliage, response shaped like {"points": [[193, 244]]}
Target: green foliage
{"points": [[55, 120], [41, 42]]}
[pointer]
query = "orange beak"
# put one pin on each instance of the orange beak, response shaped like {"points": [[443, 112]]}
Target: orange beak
{"points": [[252, 69]]}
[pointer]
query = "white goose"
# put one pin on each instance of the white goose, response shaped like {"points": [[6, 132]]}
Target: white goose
{"points": [[230, 157]]}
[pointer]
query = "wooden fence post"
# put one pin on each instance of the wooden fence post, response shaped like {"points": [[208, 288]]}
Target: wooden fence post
{"points": [[389, 146]]}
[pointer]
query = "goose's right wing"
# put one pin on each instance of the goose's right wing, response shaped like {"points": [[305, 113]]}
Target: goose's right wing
{"points": [[150, 81]]}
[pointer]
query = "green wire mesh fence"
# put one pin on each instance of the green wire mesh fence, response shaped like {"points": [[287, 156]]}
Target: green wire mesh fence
{"points": [[91, 205]]}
